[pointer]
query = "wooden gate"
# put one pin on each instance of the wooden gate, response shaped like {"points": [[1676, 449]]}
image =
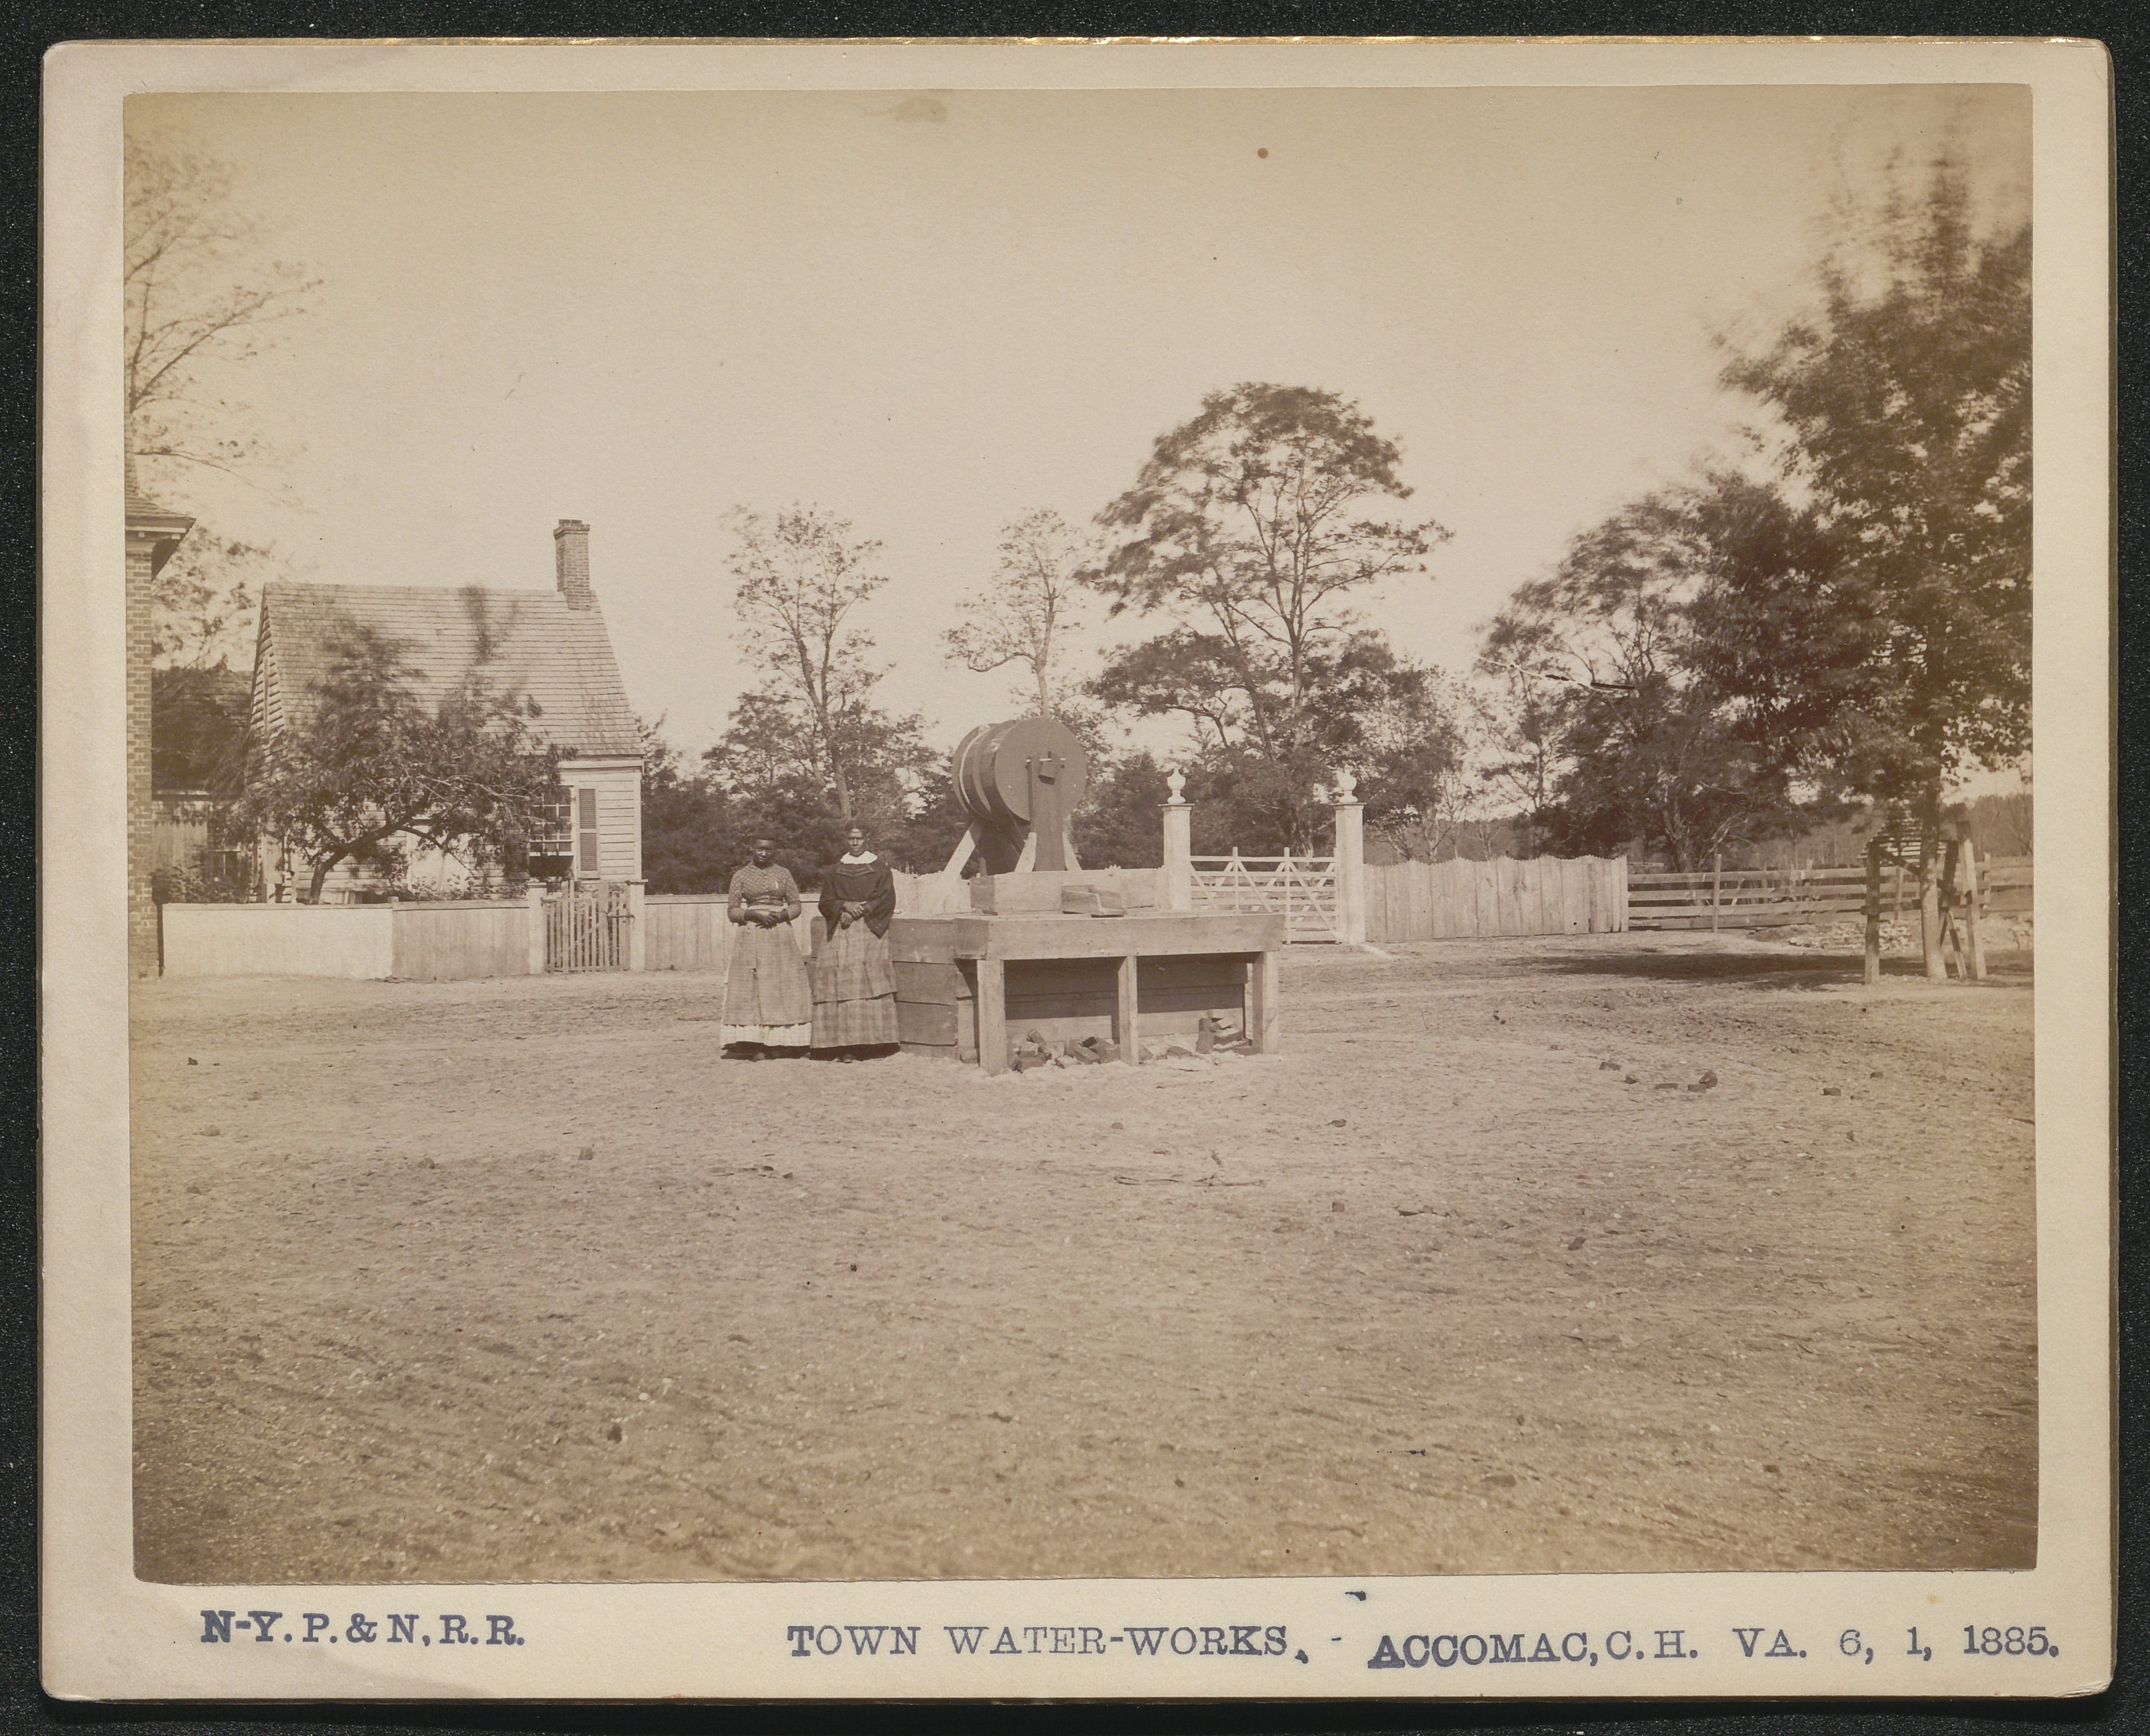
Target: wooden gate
{"points": [[1300, 889], [586, 927]]}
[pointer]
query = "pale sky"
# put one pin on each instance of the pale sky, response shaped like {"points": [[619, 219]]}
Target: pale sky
{"points": [[932, 315]]}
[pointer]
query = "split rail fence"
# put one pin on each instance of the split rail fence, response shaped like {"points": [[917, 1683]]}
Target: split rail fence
{"points": [[1733, 898]]}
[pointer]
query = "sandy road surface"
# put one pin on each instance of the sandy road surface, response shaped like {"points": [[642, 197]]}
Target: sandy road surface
{"points": [[514, 1280]]}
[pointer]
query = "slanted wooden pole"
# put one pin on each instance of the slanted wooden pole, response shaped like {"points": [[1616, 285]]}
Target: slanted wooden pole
{"points": [[946, 885], [1873, 966], [1952, 946]]}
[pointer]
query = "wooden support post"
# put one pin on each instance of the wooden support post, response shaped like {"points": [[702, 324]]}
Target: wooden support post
{"points": [[535, 896], [1264, 1026], [1973, 899], [1716, 886], [1126, 1031], [637, 939], [1873, 967], [992, 1016]]}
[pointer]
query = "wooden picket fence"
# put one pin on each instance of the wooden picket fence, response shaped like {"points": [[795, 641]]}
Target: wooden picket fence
{"points": [[1464, 899], [586, 927]]}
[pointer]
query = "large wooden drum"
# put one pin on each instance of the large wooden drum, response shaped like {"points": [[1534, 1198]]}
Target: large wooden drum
{"points": [[1018, 776]]}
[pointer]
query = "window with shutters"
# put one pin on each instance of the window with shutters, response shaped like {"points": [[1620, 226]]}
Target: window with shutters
{"points": [[586, 831], [549, 855]]}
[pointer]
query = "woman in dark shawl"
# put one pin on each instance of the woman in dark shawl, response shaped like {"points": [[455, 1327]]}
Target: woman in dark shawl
{"points": [[769, 1003], [854, 984]]}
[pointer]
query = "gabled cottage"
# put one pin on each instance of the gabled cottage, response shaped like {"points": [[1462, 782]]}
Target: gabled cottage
{"points": [[548, 646]]}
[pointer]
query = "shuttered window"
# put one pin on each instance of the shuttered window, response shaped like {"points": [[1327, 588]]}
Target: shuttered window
{"points": [[586, 831]]}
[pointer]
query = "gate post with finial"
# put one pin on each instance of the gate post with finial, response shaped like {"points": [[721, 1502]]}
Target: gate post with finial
{"points": [[1350, 861], [1178, 846]]}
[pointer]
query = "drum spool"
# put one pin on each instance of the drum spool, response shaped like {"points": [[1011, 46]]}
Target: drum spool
{"points": [[1019, 778]]}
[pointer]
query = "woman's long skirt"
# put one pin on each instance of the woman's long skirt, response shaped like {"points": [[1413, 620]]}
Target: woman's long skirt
{"points": [[853, 991], [768, 998]]}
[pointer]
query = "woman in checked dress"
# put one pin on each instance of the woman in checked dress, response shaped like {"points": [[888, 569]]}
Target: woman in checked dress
{"points": [[768, 1000], [854, 984]]}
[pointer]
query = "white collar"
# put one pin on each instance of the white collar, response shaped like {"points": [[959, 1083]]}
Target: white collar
{"points": [[860, 861]]}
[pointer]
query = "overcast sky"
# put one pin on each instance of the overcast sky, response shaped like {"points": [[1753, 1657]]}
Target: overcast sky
{"points": [[932, 314]]}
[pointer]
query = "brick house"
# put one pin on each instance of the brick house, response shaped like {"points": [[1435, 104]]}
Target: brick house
{"points": [[547, 646], [152, 534]]}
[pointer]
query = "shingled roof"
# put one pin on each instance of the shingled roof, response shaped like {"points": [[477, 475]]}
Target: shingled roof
{"points": [[540, 648]]}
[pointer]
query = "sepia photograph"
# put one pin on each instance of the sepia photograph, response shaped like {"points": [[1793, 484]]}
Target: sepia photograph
{"points": [[1394, 727], [1253, 832]]}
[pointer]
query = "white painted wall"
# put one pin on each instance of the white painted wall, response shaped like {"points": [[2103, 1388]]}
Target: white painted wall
{"points": [[280, 940]]}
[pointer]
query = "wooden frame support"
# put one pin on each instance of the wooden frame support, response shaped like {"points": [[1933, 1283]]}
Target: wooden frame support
{"points": [[1128, 1021], [992, 1016], [1264, 1028]]}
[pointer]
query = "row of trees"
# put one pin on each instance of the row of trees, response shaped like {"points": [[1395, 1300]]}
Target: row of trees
{"points": [[1838, 615], [1248, 536]]}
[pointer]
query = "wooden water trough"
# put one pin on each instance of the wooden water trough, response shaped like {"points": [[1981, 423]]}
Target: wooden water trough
{"points": [[1035, 946]]}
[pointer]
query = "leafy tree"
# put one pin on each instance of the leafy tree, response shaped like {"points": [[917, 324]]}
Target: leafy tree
{"points": [[1900, 413], [1119, 823], [1393, 721], [1032, 601], [197, 729], [1254, 526], [1612, 730], [1657, 765], [799, 576], [368, 771], [689, 842], [1184, 673]]}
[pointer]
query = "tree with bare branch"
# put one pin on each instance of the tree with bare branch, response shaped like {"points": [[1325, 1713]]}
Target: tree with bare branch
{"points": [[799, 574], [1024, 612], [199, 302], [200, 307]]}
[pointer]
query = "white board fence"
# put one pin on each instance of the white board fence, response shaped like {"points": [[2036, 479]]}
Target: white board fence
{"points": [[1463, 900]]}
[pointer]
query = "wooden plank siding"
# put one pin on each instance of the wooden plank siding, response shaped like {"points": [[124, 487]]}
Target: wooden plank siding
{"points": [[1463, 900], [453, 939]]}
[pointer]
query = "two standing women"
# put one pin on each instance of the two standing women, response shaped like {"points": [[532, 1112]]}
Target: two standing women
{"points": [[845, 1006]]}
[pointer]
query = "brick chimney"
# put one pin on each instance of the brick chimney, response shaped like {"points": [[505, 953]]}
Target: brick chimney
{"points": [[570, 563]]}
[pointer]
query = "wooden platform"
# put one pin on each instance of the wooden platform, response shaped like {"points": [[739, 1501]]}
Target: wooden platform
{"points": [[965, 981]]}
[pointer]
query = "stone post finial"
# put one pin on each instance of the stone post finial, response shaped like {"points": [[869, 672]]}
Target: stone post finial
{"points": [[1175, 781], [1347, 786]]}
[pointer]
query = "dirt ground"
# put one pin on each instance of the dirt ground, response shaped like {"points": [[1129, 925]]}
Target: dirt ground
{"points": [[515, 1279]]}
